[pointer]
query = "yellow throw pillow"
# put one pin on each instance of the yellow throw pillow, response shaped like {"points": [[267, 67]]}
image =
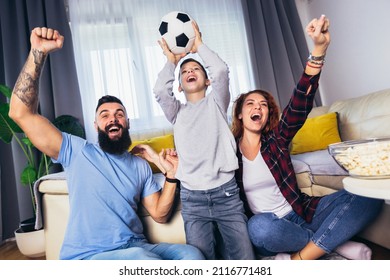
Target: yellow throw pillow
{"points": [[316, 134], [156, 143]]}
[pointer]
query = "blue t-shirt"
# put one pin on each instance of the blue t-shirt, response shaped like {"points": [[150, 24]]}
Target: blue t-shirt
{"points": [[104, 193]]}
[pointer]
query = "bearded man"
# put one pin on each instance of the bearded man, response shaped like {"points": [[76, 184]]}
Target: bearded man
{"points": [[106, 183]]}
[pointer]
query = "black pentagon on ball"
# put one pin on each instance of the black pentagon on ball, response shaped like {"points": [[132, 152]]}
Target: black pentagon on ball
{"points": [[183, 17], [163, 28], [182, 40]]}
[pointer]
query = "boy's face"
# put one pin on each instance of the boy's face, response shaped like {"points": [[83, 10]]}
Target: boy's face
{"points": [[192, 78]]}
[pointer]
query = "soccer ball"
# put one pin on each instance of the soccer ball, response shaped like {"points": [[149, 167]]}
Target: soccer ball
{"points": [[176, 28]]}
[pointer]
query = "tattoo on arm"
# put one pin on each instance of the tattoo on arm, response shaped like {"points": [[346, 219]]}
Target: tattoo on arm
{"points": [[26, 87]]}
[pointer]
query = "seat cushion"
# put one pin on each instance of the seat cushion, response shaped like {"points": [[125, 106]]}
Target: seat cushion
{"points": [[320, 163]]}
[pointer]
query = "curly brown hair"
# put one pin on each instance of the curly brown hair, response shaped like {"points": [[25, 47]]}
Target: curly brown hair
{"points": [[273, 117]]}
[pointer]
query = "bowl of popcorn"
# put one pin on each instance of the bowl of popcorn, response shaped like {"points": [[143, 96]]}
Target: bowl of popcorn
{"points": [[369, 158]]}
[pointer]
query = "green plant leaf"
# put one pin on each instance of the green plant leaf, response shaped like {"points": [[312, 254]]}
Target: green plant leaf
{"points": [[7, 126], [29, 175], [6, 91], [27, 142], [69, 124], [9, 129], [44, 165]]}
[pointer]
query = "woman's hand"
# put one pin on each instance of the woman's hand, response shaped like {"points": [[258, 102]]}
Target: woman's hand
{"points": [[318, 30]]}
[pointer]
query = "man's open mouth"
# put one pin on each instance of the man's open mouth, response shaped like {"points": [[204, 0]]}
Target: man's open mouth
{"points": [[113, 129]]}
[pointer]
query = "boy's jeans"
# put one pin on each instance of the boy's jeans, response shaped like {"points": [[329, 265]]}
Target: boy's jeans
{"points": [[217, 212]]}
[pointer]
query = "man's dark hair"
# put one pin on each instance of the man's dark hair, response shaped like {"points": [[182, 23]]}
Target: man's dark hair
{"points": [[108, 99], [193, 60]]}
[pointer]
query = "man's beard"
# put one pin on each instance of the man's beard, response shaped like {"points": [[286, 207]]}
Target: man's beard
{"points": [[117, 146]]}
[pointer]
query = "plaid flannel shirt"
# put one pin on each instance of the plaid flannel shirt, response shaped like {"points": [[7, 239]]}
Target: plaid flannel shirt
{"points": [[276, 154]]}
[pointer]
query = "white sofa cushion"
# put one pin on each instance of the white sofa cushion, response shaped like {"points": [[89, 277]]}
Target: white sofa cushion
{"points": [[320, 163], [364, 117]]}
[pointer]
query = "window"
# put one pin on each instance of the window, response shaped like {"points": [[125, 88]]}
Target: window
{"points": [[117, 53]]}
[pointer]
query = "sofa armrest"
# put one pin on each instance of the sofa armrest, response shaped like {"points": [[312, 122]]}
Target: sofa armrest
{"points": [[50, 187]]}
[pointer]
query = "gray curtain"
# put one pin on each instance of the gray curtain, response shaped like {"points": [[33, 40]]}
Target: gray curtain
{"points": [[59, 90], [278, 46], [1, 220]]}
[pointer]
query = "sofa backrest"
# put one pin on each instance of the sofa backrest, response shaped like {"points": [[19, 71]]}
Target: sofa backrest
{"points": [[318, 111], [364, 117], [147, 134]]}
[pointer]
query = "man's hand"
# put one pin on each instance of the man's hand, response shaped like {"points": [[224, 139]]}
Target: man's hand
{"points": [[46, 40], [159, 204], [169, 161], [146, 152]]}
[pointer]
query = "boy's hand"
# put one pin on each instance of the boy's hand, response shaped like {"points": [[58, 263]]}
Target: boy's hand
{"points": [[170, 55], [198, 37]]}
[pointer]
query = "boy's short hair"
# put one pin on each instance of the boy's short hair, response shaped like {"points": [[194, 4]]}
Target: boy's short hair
{"points": [[193, 60], [108, 99]]}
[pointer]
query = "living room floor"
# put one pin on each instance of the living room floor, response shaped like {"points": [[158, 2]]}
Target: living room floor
{"points": [[9, 251]]}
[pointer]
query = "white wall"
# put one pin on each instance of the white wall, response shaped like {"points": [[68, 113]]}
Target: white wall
{"points": [[358, 58]]}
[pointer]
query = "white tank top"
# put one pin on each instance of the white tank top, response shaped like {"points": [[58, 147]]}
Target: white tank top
{"points": [[261, 190]]}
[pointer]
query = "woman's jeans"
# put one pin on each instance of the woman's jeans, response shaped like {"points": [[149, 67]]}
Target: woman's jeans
{"points": [[142, 250], [215, 218], [338, 217]]}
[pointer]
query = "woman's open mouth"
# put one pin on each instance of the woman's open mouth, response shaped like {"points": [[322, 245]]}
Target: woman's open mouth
{"points": [[256, 117]]}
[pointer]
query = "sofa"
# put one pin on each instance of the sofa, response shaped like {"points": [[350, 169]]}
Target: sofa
{"points": [[317, 173], [363, 117]]}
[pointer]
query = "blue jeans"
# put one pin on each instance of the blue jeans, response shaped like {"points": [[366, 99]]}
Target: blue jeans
{"points": [[338, 217], [215, 218], [142, 250]]}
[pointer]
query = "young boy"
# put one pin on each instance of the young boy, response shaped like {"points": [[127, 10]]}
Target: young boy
{"points": [[207, 152]]}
